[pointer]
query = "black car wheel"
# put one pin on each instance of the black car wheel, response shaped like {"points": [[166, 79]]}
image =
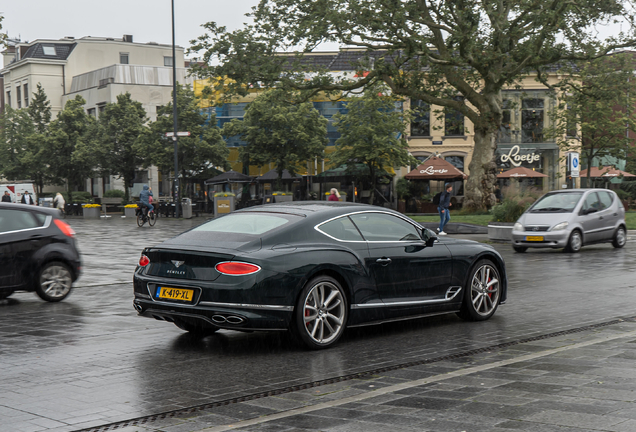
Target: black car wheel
{"points": [[620, 238], [481, 302], [196, 330], [321, 313], [520, 249], [575, 242], [54, 282]]}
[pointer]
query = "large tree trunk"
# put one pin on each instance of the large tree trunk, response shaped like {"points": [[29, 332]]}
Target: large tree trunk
{"points": [[482, 181]]}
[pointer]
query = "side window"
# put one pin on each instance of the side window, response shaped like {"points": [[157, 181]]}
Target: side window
{"points": [[14, 220], [341, 229], [606, 199], [385, 227], [591, 202]]}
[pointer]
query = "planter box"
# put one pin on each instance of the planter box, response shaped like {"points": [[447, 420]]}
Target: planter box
{"points": [[500, 231], [130, 212], [92, 212]]}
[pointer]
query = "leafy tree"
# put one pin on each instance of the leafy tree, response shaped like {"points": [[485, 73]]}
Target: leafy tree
{"points": [[121, 126], [372, 133], [71, 147], [596, 111], [40, 112], [430, 50], [3, 36], [16, 129], [202, 150], [280, 131]]}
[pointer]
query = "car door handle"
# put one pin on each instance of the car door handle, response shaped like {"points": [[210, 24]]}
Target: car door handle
{"points": [[383, 261]]}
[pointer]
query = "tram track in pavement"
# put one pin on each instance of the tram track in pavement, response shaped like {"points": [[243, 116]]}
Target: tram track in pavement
{"points": [[201, 408]]}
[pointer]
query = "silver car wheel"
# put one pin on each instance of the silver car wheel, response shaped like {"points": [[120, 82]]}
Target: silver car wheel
{"points": [[575, 242], [324, 312], [56, 281], [620, 238], [484, 290]]}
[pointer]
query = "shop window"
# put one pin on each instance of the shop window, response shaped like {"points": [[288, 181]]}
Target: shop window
{"points": [[421, 124], [453, 121], [532, 120], [456, 161]]}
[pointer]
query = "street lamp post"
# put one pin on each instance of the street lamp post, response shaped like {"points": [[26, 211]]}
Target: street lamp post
{"points": [[174, 116]]}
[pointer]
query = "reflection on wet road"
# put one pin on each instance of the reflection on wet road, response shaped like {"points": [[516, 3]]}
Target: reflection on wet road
{"points": [[89, 360]]}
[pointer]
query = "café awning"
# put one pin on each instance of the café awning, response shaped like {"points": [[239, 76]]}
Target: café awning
{"points": [[520, 172], [229, 177], [436, 169], [597, 172]]}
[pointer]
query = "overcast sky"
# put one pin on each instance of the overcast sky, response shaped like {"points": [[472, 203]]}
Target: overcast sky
{"points": [[146, 20]]}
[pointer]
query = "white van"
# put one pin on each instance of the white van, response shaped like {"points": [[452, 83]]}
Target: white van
{"points": [[16, 190]]}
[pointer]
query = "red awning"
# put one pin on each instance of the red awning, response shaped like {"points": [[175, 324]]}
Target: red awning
{"points": [[605, 172], [436, 169], [520, 172]]}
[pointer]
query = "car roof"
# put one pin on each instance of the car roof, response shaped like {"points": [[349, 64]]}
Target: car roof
{"points": [[578, 190], [31, 208], [321, 209]]}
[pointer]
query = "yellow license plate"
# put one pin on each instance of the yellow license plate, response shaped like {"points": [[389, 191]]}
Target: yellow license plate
{"points": [[534, 238], [175, 293]]}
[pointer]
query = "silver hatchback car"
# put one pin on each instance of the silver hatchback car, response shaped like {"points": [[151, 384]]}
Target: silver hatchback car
{"points": [[570, 219]]}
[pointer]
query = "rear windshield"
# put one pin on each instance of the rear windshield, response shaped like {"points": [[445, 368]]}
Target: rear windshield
{"points": [[247, 223], [557, 203]]}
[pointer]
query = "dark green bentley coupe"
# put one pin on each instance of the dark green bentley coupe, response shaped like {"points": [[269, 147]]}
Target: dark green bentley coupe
{"points": [[314, 268]]}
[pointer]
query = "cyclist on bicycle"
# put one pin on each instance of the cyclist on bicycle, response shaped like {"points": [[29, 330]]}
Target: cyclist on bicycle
{"points": [[144, 197]]}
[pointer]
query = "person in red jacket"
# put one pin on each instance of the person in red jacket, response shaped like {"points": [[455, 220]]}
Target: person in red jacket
{"points": [[334, 196]]}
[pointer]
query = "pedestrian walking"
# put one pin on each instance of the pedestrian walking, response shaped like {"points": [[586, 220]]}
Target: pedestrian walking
{"points": [[59, 202], [27, 198], [443, 208], [6, 197], [334, 195]]}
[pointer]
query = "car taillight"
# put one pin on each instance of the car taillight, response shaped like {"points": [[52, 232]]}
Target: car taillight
{"points": [[236, 268], [64, 227], [144, 261]]}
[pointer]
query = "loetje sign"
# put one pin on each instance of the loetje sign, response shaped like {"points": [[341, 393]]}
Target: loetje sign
{"points": [[517, 159]]}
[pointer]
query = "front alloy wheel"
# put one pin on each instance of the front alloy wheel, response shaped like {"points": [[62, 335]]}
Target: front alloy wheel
{"points": [[485, 289], [321, 313], [575, 242], [55, 282]]}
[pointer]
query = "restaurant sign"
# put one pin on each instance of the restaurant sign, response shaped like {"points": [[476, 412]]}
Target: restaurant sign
{"points": [[516, 159]]}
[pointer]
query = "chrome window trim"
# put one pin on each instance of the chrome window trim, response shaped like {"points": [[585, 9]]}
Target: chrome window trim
{"points": [[317, 227], [247, 306], [47, 223]]}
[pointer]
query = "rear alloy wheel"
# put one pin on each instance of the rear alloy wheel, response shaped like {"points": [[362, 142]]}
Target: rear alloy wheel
{"points": [[620, 238], [485, 289], [54, 282], [196, 330], [520, 249], [575, 242], [321, 313]]}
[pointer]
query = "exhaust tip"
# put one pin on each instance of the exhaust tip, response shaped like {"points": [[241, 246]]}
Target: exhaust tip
{"points": [[234, 320], [138, 307]]}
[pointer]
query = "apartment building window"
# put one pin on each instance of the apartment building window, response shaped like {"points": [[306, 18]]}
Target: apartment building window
{"points": [[91, 112], [506, 122], [421, 124], [453, 121], [18, 96], [49, 50], [25, 88], [9, 98], [123, 58], [532, 120], [167, 61]]}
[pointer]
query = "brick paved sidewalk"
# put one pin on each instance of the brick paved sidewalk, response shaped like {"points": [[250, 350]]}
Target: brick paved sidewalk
{"points": [[576, 382]]}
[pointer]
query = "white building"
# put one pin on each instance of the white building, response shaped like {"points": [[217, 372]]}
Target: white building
{"points": [[98, 69]]}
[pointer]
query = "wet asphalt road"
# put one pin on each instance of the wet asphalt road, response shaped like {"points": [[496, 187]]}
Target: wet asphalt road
{"points": [[90, 360]]}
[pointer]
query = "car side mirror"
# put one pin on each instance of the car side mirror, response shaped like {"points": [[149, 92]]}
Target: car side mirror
{"points": [[429, 237], [589, 210]]}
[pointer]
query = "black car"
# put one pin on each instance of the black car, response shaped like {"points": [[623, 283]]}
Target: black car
{"points": [[314, 268], [37, 252]]}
